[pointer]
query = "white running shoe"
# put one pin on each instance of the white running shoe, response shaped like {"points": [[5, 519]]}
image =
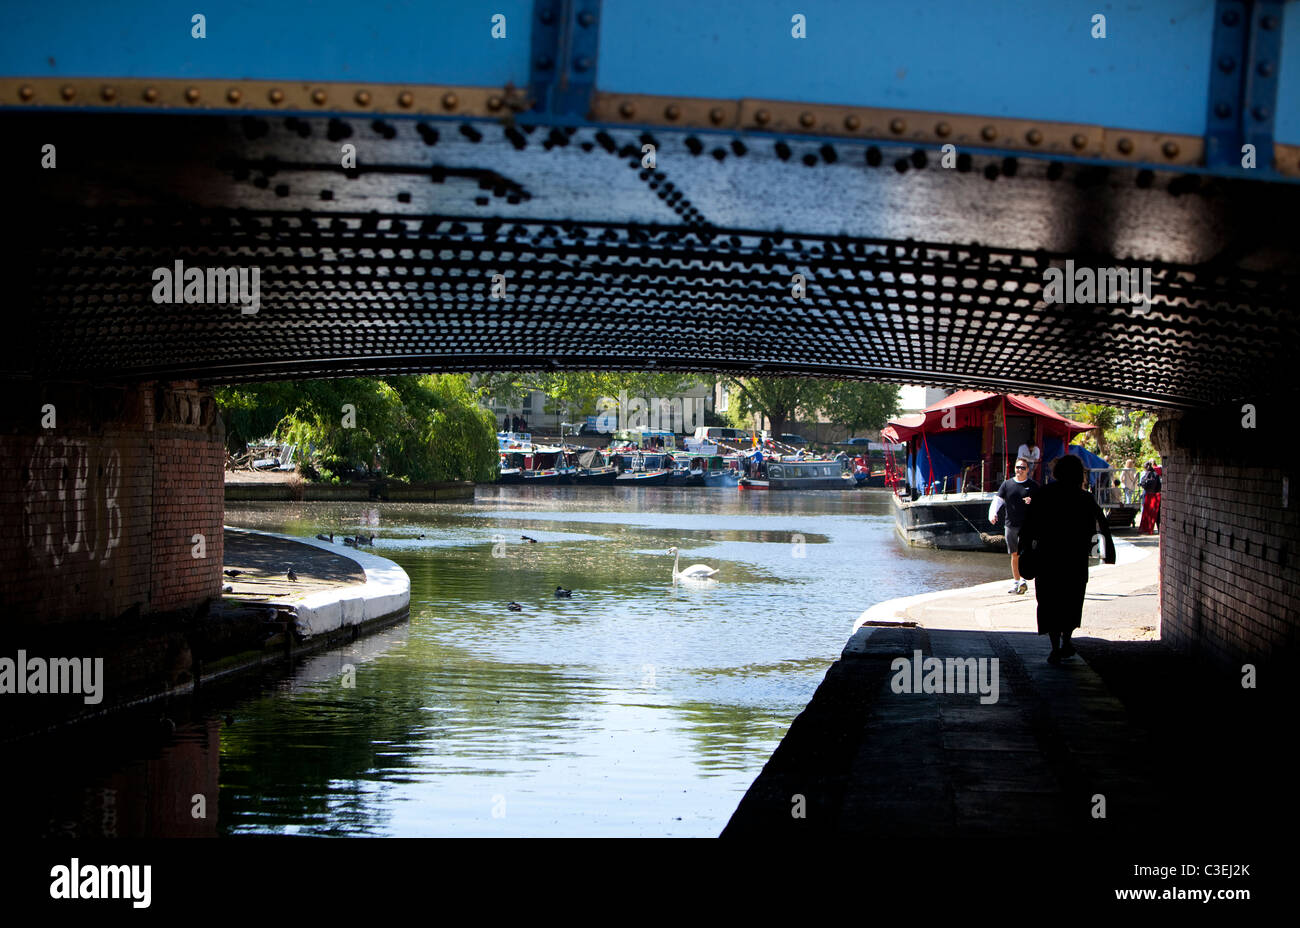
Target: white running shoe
{"points": [[1015, 588]]}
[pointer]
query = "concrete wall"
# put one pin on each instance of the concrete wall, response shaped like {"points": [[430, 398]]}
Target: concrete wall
{"points": [[1230, 534], [99, 509]]}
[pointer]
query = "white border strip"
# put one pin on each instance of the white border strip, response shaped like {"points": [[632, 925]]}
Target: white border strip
{"points": [[895, 610], [387, 590]]}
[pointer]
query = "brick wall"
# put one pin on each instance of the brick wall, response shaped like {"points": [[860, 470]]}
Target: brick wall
{"points": [[1229, 541], [97, 514]]}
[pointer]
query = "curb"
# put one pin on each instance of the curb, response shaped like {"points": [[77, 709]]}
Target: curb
{"points": [[387, 590], [893, 611]]}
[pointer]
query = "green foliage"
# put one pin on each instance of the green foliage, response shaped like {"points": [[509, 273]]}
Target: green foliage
{"points": [[853, 404], [780, 399], [576, 394], [426, 427], [1120, 434], [858, 405]]}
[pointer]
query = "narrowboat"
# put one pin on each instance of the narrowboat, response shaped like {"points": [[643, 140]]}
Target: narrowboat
{"points": [[591, 469], [786, 474], [711, 471], [643, 470], [548, 467], [959, 450]]}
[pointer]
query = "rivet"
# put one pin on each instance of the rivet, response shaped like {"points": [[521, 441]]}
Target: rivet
{"points": [[626, 109], [897, 126], [1079, 140], [717, 115], [363, 98], [150, 94], [26, 92], [1261, 113], [672, 111], [1265, 69], [544, 63], [1170, 149], [852, 123], [1033, 136], [1125, 146], [1230, 18], [548, 16], [1222, 110], [318, 97], [495, 103], [1268, 22], [67, 91], [192, 94], [405, 98], [943, 130], [449, 101], [807, 120], [276, 95], [762, 117], [988, 133], [233, 95], [586, 18], [582, 64], [1226, 64], [108, 93]]}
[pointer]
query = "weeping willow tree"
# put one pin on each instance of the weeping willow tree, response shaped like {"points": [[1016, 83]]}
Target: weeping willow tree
{"points": [[427, 427]]}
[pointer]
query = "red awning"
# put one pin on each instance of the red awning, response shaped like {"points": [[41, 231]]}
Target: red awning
{"points": [[928, 420]]}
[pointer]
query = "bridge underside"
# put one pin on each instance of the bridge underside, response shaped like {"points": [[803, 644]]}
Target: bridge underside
{"points": [[915, 272]]}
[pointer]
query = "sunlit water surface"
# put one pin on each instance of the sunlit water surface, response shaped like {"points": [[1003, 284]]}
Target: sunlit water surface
{"points": [[637, 707]]}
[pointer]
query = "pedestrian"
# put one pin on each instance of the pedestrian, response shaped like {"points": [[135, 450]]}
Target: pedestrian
{"points": [[1031, 454], [1130, 477], [1061, 531], [1015, 495], [1150, 484]]}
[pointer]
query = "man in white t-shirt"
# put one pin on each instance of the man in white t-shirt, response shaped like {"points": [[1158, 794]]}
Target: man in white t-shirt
{"points": [[1031, 453]]}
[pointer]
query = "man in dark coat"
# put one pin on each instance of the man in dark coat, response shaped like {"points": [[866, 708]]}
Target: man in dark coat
{"points": [[1061, 531]]}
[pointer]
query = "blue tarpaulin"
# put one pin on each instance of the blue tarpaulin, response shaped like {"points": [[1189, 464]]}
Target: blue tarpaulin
{"points": [[1091, 461], [948, 451]]}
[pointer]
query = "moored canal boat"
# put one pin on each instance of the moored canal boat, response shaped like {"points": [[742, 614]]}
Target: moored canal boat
{"points": [[959, 450], [819, 474], [643, 470], [592, 469]]}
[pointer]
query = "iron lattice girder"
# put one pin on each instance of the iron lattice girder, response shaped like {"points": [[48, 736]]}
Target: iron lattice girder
{"points": [[343, 300], [387, 268]]}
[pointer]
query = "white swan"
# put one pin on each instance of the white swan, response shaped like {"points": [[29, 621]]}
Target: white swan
{"points": [[694, 572]]}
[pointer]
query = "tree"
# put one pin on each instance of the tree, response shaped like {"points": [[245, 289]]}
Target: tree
{"points": [[780, 399], [1103, 417], [426, 427], [856, 404]]}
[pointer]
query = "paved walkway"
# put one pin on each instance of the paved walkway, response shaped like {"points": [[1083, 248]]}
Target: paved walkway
{"points": [[1120, 603], [262, 561], [1040, 760]]}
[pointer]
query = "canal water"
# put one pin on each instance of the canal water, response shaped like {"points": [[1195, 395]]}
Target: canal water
{"points": [[637, 707]]}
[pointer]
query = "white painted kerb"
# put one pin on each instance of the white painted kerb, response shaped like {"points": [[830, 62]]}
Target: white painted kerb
{"points": [[895, 610], [386, 590]]}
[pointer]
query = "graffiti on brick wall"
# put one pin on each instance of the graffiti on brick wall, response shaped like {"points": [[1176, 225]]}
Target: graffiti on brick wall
{"points": [[70, 503]]}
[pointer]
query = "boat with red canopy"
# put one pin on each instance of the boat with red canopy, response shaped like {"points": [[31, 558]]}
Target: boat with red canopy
{"points": [[959, 450]]}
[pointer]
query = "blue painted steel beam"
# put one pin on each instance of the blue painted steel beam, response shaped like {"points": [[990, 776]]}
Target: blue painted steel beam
{"points": [[400, 41], [564, 54], [1263, 56], [998, 58]]}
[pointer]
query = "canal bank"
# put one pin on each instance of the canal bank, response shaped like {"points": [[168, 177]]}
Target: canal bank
{"points": [[1098, 747], [263, 620]]}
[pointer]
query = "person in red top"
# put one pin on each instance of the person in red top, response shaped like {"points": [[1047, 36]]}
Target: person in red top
{"points": [[1150, 484]]}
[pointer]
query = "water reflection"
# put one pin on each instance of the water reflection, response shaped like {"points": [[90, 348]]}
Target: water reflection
{"points": [[638, 706]]}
